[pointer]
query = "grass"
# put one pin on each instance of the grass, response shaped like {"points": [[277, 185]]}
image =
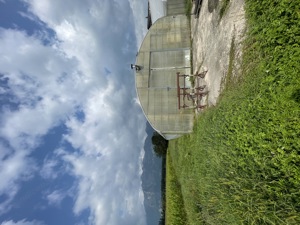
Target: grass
{"points": [[241, 163], [188, 8], [229, 79], [229, 75], [224, 7], [175, 214]]}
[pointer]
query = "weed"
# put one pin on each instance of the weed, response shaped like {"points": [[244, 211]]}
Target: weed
{"points": [[241, 163], [224, 7], [228, 79], [188, 8], [175, 214]]}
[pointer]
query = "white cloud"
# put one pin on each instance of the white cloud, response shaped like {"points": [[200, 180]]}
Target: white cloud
{"points": [[51, 82], [140, 12], [55, 197], [15, 168], [49, 169], [45, 82], [22, 222], [157, 9], [35, 74], [109, 162]]}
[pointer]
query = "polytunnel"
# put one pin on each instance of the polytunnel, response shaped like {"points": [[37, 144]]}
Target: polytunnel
{"points": [[162, 66]]}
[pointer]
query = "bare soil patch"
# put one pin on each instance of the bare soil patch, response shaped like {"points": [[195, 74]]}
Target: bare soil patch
{"points": [[212, 38]]}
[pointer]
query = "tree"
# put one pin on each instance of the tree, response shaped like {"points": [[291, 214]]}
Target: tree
{"points": [[160, 145]]}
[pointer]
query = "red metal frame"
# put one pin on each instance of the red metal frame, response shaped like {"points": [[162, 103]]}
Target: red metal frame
{"points": [[182, 91]]}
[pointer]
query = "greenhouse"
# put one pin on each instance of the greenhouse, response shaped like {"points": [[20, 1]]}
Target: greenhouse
{"points": [[163, 68], [175, 7]]}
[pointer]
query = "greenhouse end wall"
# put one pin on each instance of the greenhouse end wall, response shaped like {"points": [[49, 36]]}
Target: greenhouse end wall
{"points": [[165, 51], [175, 7]]}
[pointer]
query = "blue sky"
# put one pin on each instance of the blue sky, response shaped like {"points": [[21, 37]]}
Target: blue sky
{"points": [[71, 129]]}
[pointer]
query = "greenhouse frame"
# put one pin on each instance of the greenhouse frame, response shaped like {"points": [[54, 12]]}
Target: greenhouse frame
{"points": [[163, 68]]}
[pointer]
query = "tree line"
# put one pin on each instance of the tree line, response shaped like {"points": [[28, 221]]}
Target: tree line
{"points": [[160, 146]]}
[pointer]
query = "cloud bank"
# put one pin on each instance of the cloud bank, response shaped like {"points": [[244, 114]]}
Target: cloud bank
{"points": [[77, 76]]}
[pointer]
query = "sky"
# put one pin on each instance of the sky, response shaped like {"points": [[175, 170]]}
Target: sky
{"points": [[158, 9], [71, 128]]}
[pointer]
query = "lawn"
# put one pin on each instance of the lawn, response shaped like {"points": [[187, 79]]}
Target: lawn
{"points": [[241, 163]]}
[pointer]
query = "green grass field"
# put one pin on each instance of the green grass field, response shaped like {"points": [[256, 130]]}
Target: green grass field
{"points": [[241, 163]]}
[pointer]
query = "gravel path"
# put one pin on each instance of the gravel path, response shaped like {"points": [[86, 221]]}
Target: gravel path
{"points": [[212, 38]]}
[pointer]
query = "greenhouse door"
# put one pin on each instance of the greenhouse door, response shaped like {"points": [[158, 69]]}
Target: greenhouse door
{"points": [[165, 64], [172, 59]]}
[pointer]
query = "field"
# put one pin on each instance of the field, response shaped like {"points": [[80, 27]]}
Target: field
{"points": [[241, 163]]}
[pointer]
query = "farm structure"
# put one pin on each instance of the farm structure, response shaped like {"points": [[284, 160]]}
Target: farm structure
{"points": [[167, 92]]}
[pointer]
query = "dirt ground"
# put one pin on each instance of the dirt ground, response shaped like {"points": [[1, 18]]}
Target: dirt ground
{"points": [[212, 39]]}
